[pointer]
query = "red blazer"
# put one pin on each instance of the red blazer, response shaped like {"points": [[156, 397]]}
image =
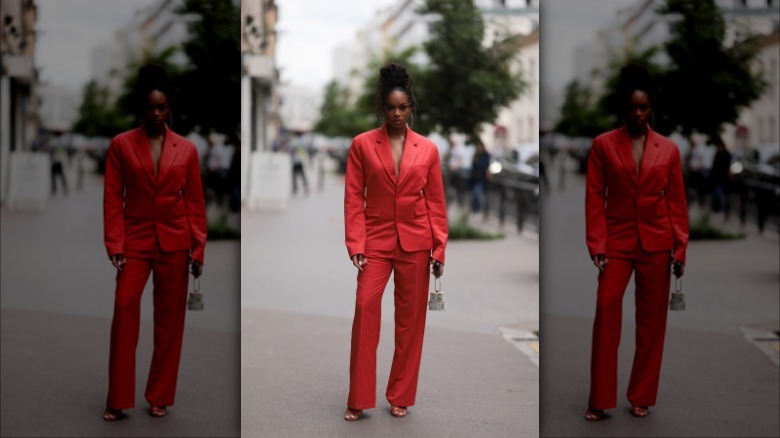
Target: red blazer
{"points": [[622, 208], [140, 209], [380, 209]]}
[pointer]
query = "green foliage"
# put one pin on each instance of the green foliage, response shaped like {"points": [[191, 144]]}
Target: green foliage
{"points": [[707, 83], [221, 230], [211, 83], [466, 84], [579, 114], [703, 230], [97, 114], [462, 230], [338, 117]]}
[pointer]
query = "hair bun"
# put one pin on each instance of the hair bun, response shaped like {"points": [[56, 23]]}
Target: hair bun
{"points": [[153, 74], [394, 75]]}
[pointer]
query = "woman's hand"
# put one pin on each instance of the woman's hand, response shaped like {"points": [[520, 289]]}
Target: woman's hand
{"points": [[196, 268], [600, 260], [118, 260], [359, 260], [678, 268], [437, 268]]}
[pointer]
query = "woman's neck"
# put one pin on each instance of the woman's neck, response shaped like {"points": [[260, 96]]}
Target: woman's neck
{"points": [[152, 132], [637, 133], [395, 133]]}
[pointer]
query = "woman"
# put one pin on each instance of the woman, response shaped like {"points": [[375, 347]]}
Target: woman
{"points": [[154, 221], [396, 220], [637, 221]]}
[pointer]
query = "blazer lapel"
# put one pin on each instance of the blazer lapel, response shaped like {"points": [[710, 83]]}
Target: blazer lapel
{"points": [[650, 156], [627, 155], [409, 155], [168, 155], [144, 154], [382, 148]]}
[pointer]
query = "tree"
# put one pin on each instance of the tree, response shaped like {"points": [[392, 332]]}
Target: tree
{"points": [[580, 115], [707, 83], [466, 83], [338, 116], [98, 115], [210, 97]]}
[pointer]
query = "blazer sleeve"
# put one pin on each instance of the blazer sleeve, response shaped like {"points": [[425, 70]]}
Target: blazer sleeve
{"points": [[354, 216], [196, 207], [678, 209], [437, 207], [595, 201], [113, 201]]}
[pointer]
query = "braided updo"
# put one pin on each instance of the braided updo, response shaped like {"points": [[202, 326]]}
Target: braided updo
{"points": [[393, 77]]}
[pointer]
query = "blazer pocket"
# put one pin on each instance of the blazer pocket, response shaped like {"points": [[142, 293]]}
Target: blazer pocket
{"points": [[372, 212], [420, 210]]}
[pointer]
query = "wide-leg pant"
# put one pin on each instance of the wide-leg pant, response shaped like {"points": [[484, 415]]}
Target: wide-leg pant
{"points": [[411, 278], [652, 270], [170, 278]]}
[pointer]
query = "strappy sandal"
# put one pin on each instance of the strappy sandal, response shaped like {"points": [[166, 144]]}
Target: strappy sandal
{"points": [[352, 414], [398, 411], [593, 414], [112, 414], [157, 411], [639, 411]]}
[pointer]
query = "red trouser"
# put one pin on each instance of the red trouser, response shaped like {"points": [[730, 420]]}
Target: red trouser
{"points": [[652, 301], [411, 271], [170, 304]]}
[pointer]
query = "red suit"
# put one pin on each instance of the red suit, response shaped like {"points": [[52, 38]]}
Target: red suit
{"points": [[157, 222], [398, 223], [640, 222]]}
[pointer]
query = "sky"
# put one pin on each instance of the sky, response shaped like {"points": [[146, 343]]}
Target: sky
{"points": [[68, 30], [310, 30]]}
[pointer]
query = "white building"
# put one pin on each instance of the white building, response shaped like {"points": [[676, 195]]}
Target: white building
{"points": [[59, 107], [18, 102], [299, 107]]}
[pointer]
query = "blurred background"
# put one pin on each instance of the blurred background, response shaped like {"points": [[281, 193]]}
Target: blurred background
{"points": [[68, 71], [716, 68], [310, 71]]}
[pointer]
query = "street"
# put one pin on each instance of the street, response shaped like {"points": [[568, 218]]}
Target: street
{"points": [[298, 295], [714, 381], [57, 302]]}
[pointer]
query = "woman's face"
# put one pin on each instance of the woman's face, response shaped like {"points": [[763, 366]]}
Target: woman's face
{"points": [[397, 109], [156, 110], [639, 110]]}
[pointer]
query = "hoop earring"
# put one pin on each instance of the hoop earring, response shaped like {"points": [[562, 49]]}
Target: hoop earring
{"points": [[381, 119], [170, 120], [411, 119], [652, 120]]}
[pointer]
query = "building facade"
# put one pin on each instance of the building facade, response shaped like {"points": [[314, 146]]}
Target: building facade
{"points": [[18, 101]]}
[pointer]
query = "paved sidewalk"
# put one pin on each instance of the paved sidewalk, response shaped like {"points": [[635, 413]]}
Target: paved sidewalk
{"points": [[57, 301], [298, 294], [714, 381]]}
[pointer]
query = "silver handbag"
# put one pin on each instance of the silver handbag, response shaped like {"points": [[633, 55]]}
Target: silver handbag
{"points": [[677, 300], [436, 298], [195, 301]]}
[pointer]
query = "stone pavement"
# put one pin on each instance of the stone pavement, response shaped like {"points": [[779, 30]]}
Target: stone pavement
{"points": [[298, 289], [57, 302]]}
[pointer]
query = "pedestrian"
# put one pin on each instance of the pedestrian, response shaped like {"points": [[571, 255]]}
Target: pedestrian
{"points": [[479, 177], [637, 221], [720, 177], [296, 154], [155, 222], [56, 155], [396, 221]]}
